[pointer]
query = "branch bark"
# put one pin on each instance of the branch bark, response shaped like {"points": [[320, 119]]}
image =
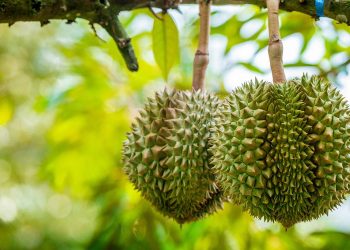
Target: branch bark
{"points": [[36, 10]]}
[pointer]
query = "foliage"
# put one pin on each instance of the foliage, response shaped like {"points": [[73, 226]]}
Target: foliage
{"points": [[165, 40], [66, 102]]}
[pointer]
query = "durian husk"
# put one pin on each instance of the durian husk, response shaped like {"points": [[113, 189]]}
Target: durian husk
{"points": [[166, 155], [282, 150]]}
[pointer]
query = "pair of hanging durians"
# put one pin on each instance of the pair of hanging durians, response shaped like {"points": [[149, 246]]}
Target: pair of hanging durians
{"points": [[281, 151]]}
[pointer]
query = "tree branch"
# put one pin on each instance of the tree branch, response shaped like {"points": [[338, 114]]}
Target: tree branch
{"points": [[110, 22], [41, 10], [338, 10], [94, 11]]}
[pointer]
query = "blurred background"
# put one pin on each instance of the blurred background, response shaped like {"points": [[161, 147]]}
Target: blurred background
{"points": [[67, 101]]}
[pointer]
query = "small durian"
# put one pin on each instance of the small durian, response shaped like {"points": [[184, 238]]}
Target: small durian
{"points": [[282, 150], [166, 156]]}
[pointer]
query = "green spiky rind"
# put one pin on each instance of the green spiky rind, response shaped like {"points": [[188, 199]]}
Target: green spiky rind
{"points": [[239, 135], [297, 167], [290, 183], [166, 155], [328, 114]]}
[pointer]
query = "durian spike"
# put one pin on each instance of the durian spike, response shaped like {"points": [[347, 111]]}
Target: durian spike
{"points": [[275, 42], [201, 59]]}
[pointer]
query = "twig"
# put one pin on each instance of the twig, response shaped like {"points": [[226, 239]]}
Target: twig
{"points": [[201, 59], [110, 22], [275, 42]]}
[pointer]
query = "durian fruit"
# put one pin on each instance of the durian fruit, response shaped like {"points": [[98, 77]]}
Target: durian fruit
{"points": [[282, 150], [328, 113], [166, 155]]}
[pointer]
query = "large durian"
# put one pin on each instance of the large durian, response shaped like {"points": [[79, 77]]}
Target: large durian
{"points": [[282, 150], [166, 155]]}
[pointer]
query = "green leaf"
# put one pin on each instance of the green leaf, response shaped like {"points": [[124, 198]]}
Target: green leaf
{"points": [[165, 43]]}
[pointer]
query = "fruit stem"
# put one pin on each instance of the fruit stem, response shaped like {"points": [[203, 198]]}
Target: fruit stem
{"points": [[201, 59], [275, 42]]}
